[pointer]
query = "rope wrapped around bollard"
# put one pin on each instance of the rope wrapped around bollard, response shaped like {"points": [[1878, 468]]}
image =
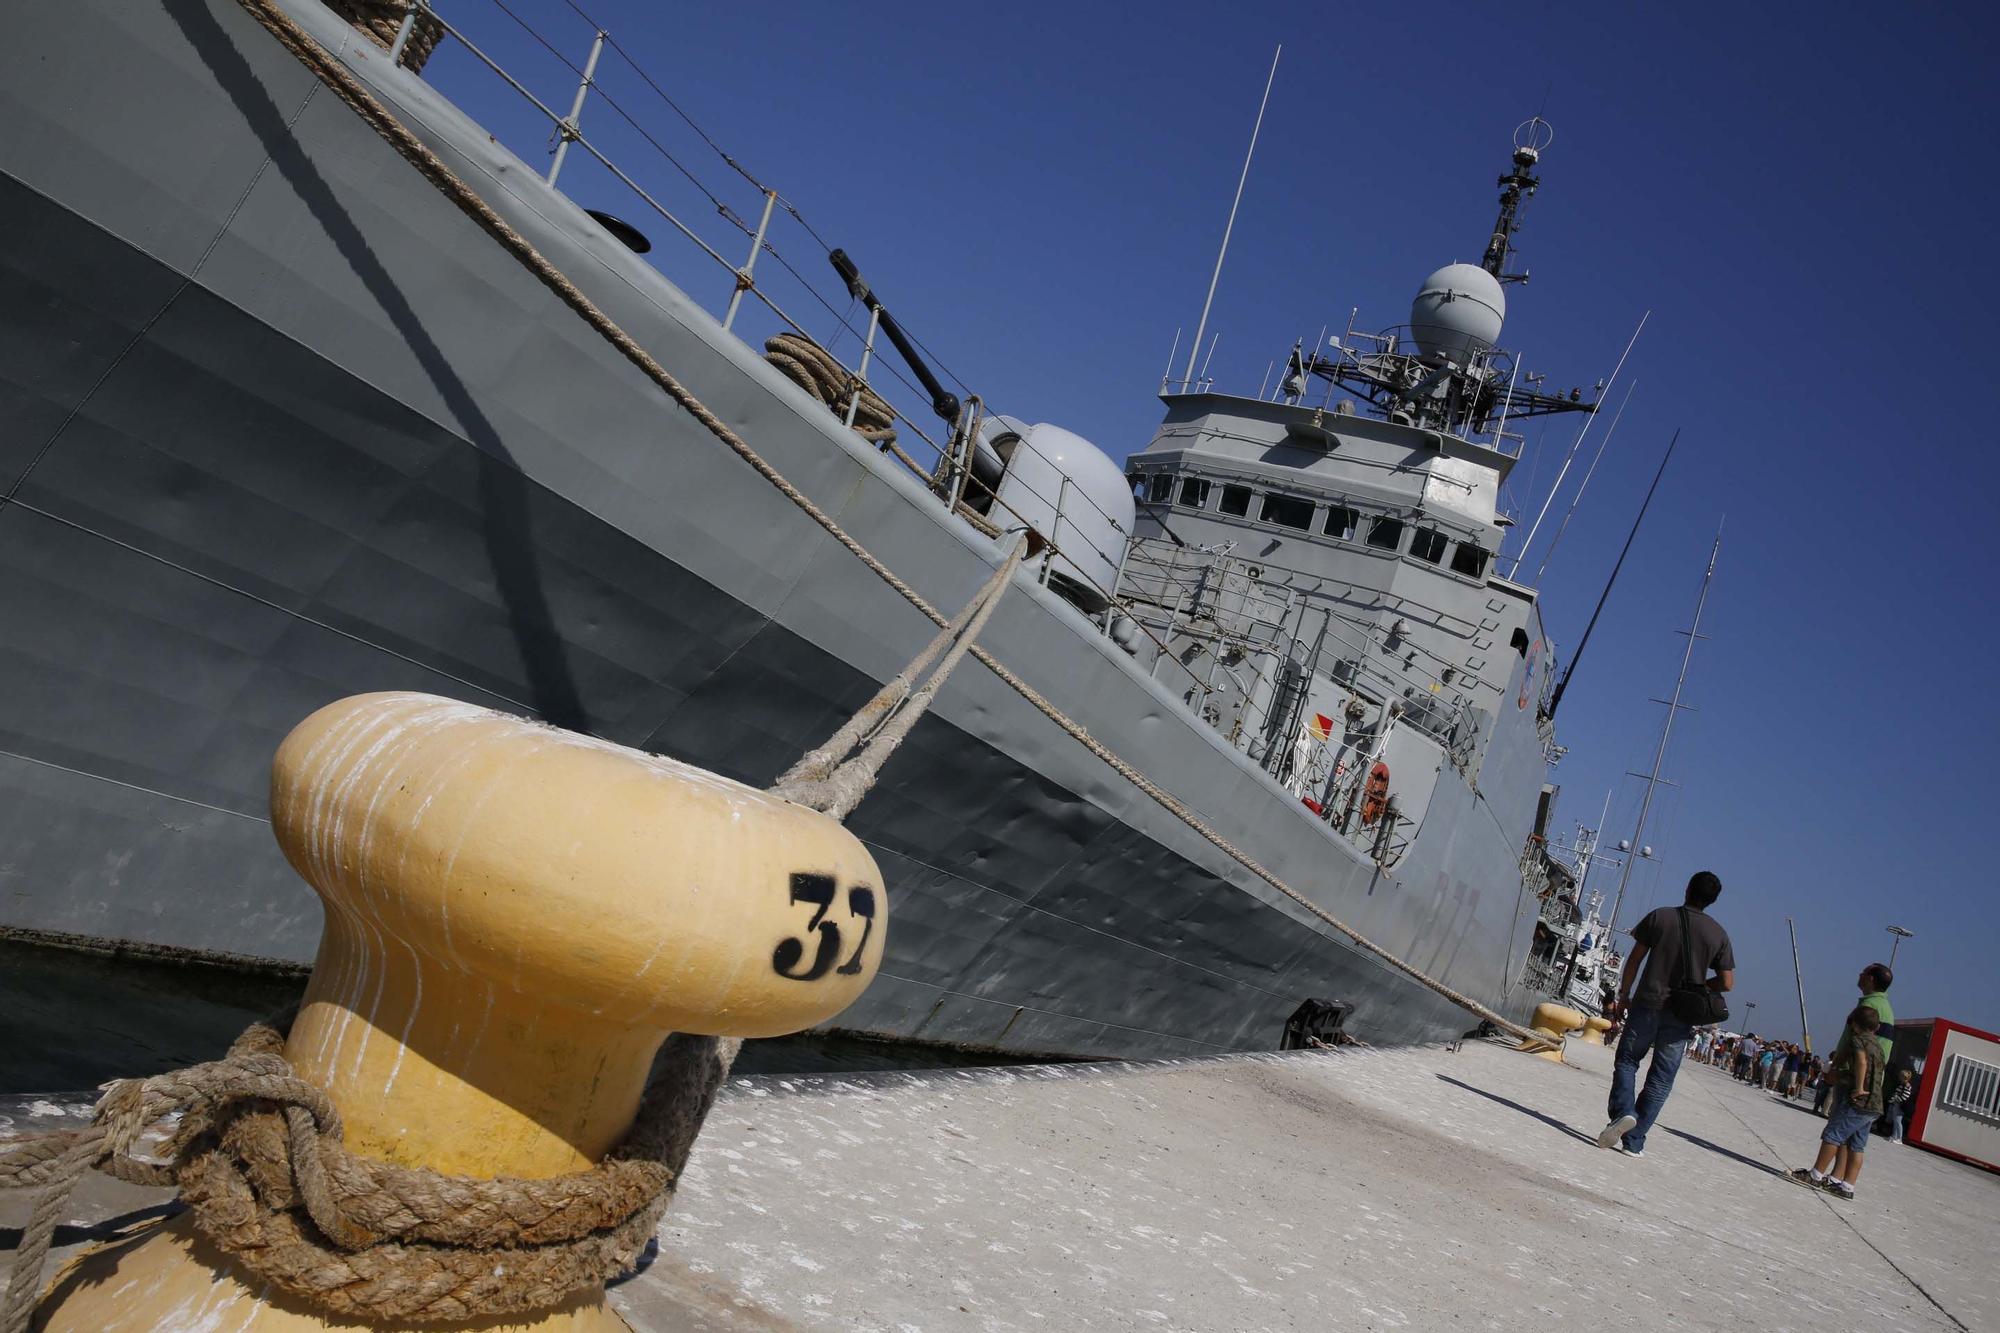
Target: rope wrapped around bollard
{"points": [[257, 1156]]}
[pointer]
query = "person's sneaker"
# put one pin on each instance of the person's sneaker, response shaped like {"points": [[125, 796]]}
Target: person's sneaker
{"points": [[1804, 1176], [1616, 1131], [1839, 1190], [1633, 1152]]}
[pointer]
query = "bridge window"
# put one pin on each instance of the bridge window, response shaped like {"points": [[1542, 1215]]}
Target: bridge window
{"points": [[1194, 493], [1428, 545], [1288, 511], [1341, 522], [1386, 534], [1236, 500], [1160, 487], [1470, 560]]}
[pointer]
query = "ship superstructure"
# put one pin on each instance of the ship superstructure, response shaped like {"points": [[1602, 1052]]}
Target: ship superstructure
{"points": [[1320, 582]]}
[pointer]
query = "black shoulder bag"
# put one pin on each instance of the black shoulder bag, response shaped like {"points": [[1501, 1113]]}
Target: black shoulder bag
{"points": [[1691, 1000]]}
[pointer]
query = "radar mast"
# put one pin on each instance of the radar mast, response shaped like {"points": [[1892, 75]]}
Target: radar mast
{"points": [[1518, 186], [1445, 371]]}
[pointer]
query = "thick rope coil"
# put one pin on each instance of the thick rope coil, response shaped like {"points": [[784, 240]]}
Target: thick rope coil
{"points": [[348, 87], [811, 367], [258, 1158]]}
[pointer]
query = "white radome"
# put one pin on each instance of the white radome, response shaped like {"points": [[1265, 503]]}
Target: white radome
{"points": [[1458, 312]]}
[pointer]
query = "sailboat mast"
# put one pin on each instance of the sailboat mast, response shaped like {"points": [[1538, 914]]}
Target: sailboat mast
{"points": [[1666, 733]]}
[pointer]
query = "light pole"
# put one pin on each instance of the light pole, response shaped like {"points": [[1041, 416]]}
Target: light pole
{"points": [[1900, 935]]}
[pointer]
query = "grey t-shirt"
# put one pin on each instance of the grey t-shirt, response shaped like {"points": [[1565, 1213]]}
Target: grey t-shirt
{"points": [[1660, 931]]}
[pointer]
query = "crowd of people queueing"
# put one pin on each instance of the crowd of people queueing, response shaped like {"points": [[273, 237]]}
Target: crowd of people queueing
{"points": [[1781, 1067]]}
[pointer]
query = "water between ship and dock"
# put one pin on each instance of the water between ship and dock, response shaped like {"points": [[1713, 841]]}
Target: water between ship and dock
{"points": [[1355, 1189]]}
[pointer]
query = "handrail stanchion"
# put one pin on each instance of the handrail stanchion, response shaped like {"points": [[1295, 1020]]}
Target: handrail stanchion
{"points": [[867, 355], [1055, 529], [566, 129], [744, 281], [404, 29]]}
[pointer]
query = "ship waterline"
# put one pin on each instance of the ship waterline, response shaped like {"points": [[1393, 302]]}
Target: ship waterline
{"points": [[279, 425]]}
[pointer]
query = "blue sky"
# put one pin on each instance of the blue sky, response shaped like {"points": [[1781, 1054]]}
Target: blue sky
{"points": [[1804, 198]]}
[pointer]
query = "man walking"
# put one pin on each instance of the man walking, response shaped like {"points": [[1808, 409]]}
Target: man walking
{"points": [[1672, 944]]}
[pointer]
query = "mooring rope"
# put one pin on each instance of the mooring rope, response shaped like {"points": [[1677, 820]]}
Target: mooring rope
{"points": [[346, 85], [257, 1156]]}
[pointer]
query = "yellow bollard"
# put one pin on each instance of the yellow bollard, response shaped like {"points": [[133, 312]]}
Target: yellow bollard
{"points": [[1554, 1021], [516, 917], [1594, 1029]]}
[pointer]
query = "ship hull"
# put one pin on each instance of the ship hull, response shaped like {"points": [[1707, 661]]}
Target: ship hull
{"points": [[279, 425]]}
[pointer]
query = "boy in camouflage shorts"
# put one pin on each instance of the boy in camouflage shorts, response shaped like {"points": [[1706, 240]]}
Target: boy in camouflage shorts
{"points": [[1856, 1073]]}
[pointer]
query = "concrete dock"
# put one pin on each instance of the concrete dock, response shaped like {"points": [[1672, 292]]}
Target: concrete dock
{"points": [[1355, 1189]]}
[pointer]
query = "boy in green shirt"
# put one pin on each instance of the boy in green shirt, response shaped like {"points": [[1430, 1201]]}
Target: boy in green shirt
{"points": [[1856, 1071]]}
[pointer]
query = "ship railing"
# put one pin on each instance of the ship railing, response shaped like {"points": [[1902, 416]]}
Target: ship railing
{"points": [[1355, 351], [593, 87], [1379, 831], [1187, 589]]}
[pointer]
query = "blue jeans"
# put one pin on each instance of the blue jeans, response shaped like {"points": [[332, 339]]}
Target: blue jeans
{"points": [[1659, 1032]]}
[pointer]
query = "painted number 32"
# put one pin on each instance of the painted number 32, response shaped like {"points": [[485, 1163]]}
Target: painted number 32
{"points": [[823, 936]]}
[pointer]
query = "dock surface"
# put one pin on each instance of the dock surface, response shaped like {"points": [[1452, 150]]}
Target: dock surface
{"points": [[1354, 1189]]}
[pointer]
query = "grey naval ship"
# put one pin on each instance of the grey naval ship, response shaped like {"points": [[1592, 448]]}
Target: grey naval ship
{"points": [[279, 424]]}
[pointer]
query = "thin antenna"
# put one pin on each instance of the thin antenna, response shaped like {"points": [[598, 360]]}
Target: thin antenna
{"points": [[1269, 366], [1168, 372], [1230, 226], [1556, 489], [1210, 357], [1666, 732], [1555, 699], [1584, 485]]}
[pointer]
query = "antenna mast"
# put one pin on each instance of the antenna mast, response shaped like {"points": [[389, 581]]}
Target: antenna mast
{"points": [[1666, 732], [1215, 277], [1516, 188], [1555, 700]]}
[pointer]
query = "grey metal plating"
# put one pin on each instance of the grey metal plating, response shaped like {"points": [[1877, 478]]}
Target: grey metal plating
{"points": [[279, 426]]}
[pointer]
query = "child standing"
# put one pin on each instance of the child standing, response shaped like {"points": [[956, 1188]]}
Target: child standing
{"points": [[1856, 1074], [1901, 1090]]}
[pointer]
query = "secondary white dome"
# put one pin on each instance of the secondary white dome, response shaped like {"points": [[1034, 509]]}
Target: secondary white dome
{"points": [[1070, 491], [1458, 312]]}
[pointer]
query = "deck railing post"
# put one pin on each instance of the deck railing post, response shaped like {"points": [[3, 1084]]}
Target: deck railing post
{"points": [[566, 130], [867, 354], [1055, 530], [404, 29], [744, 281]]}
